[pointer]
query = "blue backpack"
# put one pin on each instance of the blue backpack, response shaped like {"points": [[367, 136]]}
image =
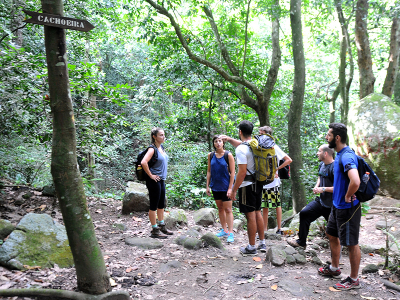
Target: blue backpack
{"points": [[368, 188]]}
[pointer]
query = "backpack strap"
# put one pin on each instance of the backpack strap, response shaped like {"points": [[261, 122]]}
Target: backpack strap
{"points": [[226, 157]]}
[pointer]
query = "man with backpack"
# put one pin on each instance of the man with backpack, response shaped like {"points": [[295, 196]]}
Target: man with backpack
{"points": [[322, 204], [344, 221], [271, 196], [249, 191]]}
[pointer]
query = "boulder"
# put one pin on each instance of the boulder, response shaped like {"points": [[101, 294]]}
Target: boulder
{"points": [[238, 224], [175, 218], [136, 198], [192, 244], [373, 129], [300, 259], [205, 216], [36, 241], [295, 223], [5, 228], [316, 226], [144, 243], [212, 240], [370, 268], [276, 256], [49, 190]]}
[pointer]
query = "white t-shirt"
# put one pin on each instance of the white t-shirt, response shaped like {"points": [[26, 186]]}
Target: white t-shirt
{"points": [[244, 156], [277, 181]]}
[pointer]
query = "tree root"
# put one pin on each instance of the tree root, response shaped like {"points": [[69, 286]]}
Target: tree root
{"points": [[390, 285], [63, 294]]}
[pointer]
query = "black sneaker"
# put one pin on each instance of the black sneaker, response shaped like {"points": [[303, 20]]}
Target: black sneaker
{"points": [[279, 231], [262, 248], [245, 251]]}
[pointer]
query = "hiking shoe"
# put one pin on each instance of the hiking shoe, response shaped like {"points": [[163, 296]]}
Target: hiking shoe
{"points": [[262, 248], [164, 230], [326, 271], [230, 238], [279, 231], [222, 233], [347, 284], [245, 251], [295, 244], [157, 234]]}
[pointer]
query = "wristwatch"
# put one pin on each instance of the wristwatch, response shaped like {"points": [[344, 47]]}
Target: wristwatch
{"points": [[323, 190]]}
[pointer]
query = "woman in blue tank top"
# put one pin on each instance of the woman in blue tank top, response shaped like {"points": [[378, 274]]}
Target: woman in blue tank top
{"points": [[155, 183], [220, 177]]}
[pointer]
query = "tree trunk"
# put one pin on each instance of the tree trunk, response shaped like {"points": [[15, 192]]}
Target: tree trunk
{"points": [[396, 90], [296, 107], [210, 104], [91, 272], [367, 79], [391, 74], [90, 156]]}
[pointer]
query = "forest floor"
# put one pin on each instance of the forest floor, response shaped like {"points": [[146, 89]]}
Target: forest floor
{"points": [[173, 272]]}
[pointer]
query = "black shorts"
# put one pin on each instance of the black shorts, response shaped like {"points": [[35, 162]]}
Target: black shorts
{"points": [[220, 196], [345, 224], [250, 198]]}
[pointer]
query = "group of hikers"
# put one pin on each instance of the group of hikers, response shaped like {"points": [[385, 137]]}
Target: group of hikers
{"points": [[339, 206]]}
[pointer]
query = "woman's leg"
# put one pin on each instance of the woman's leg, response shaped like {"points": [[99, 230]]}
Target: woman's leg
{"points": [[222, 215], [152, 217], [228, 214]]}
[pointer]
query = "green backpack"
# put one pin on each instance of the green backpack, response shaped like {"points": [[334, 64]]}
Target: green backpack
{"points": [[265, 159]]}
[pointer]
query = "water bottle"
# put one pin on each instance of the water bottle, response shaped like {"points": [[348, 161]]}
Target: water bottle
{"points": [[365, 177]]}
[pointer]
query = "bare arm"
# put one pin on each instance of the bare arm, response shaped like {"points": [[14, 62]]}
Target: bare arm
{"points": [[239, 179], [318, 190], [230, 140], [208, 176], [287, 161], [353, 185], [232, 174]]}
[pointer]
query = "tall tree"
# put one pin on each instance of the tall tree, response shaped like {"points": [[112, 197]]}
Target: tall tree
{"points": [[392, 69], [345, 48], [367, 78], [233, 72], [296, 106], [89, 263]]}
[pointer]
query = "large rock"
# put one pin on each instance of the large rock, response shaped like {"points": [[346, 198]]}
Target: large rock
{"points": [[204, 216], [5, 228], [144, 243], [373, 126], [175, 218], [36, 241], [136, 198], [276, 256], [212, 240]]}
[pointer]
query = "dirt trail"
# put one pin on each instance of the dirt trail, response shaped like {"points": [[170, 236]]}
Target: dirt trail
{"points": [[178, 273]]}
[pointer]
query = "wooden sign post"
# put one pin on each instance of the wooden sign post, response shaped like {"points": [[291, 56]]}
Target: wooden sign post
{"points": [[91, 271], [58, 21]]}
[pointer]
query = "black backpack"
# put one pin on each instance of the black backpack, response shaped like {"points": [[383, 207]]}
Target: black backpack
{"points": [[140, 173], [368, 188], [284, 173]]}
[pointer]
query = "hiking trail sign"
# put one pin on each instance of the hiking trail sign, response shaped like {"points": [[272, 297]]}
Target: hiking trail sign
{"points": [[58, 21]]}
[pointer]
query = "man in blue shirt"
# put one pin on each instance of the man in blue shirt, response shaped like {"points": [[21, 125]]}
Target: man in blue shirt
{"points": [[343, 227]]}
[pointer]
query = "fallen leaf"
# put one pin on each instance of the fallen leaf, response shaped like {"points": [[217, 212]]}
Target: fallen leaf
{"points": [[112, 282], [392, 229], [242, 282], [269, 278], [259, 266], [106, 257], [99, 211], [32, 268], [128, 270], [38, 280], [235, 258], [368, 298], [332, 289], [257, 258], [370, 254], [42, 207], [30, 209], [274, 287], [136, 219]]}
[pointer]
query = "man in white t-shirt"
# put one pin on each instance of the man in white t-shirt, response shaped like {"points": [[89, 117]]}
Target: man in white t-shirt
{"points": [[271, 197], [249, 193]]}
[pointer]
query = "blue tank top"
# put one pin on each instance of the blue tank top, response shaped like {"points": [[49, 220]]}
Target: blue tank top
{"points": [[219, 174], [161, 165]]}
